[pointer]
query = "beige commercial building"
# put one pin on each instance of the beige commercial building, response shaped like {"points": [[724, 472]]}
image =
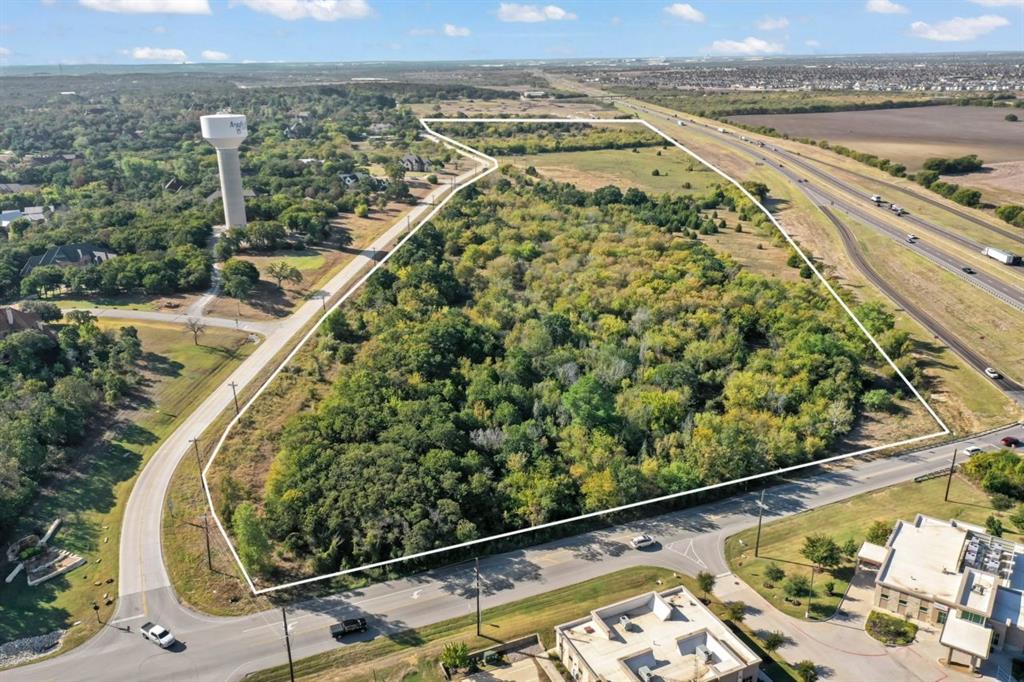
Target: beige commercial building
{"points": [[953, 574], [655, 637]]}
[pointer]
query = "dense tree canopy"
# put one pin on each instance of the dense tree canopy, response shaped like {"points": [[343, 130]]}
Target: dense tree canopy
{"points": [[539, 351]]}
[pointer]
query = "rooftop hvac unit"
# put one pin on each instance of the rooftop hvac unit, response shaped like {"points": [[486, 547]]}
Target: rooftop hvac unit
{"points": [[703, 653]]}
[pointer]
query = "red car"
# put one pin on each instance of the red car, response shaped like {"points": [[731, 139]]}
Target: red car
{"points": [[1011, 442]]}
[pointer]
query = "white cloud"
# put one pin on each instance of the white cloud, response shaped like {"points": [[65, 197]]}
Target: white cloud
{"points": [[747, 46], [215, 55], [532, 14], [773, 24], [453, 31], [158, 54], [320, 10], [685, 11], [812, 43], [958, 28], [999, 3], [885, 7], [5, 51], [159, 29], [149, 6]]}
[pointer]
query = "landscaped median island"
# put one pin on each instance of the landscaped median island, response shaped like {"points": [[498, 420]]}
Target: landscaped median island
{"points": [[782, 571], [890, 630], [415, 654], [91, 490]]}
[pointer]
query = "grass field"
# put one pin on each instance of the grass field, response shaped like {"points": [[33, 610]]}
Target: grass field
{"points": [[624, 168], [966, 311], [908, 136], [781, 540], [412, 654], [92, 495]]}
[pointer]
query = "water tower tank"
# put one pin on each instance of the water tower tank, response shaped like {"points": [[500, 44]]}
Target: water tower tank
{"points": [[226, 133]]}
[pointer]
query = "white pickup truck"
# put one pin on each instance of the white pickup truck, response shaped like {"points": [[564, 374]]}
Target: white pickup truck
{"points": [[157, 634]]}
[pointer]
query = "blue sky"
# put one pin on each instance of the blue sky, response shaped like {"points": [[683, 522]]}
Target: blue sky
{"points": [[168, 31]]}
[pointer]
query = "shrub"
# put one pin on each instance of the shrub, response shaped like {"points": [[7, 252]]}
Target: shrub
{"points": [[1012, 118], [775, 573], [455, 655], [432, 179], [890, 629], [773, 640], [993, 526], [806, 670], [878, 532], [1001, 502], [967, 197], [797, 586], [878, 400], [736, 611]]}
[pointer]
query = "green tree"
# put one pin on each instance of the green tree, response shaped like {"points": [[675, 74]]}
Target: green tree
{"points": [[773, 641], [821, 550], [589, 402], [280, 271], [706, 583], [806, 670], [878, 532], [239, 277], [735, 611], [774, 572], [993, 526], [878, 400], [251, 538], [796, 586]]}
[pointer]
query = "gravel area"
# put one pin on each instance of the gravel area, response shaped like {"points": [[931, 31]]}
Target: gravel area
{"points": [[27, 648]]}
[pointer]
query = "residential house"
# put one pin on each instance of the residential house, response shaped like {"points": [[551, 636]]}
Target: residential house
{"points": [[415, 162], [69, 255], [13, 320]]}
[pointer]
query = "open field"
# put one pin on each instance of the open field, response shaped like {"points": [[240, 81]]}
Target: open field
{"points": [[91, 497], [1000, 183], [969, 313], [850, 519], [413, 654], [592, 169], [908, 135]]}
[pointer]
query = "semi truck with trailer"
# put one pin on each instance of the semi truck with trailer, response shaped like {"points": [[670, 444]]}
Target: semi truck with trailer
{"points": [[1002, 256]]}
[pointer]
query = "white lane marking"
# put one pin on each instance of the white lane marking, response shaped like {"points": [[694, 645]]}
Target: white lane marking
{"points": [[416, 594], [125, 620], [690, 553]]}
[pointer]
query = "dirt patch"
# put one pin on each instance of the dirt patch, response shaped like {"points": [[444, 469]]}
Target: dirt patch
{"points": [[908, 135]]}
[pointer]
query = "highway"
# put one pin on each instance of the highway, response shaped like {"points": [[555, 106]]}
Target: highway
{"points": [[821, 192], [688, 541]]}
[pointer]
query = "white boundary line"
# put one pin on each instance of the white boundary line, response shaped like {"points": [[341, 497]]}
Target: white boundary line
{"points": [[492, 165]]}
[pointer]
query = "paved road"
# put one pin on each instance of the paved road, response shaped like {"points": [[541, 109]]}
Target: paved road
{"points": [[264, 327], [824, 191], [689, 541]]}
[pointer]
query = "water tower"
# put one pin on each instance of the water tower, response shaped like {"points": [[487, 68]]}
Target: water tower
{"points": [[226, 132]]}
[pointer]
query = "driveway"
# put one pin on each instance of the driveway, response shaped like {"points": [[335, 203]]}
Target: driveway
{"points": [[842, 641]]}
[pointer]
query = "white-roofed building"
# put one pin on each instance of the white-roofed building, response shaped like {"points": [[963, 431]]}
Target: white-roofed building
{"points": [[953, 574], [652, 637]]}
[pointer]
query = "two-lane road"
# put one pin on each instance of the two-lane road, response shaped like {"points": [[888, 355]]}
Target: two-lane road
{"points": [[688, 541]]}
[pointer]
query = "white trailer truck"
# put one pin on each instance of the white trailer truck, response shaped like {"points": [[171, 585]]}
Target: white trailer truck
{"points": [[1001, 256]]}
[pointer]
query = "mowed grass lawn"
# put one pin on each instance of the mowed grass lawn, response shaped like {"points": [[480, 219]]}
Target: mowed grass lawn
{"points": [[782, 540], [623, 168], [91, 496], [413, 654]]}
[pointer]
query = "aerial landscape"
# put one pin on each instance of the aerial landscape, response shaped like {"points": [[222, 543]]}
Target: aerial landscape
{"points": [[374, 340]]}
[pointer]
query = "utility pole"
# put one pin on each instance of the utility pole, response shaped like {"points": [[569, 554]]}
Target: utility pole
{"points": [[199, 463], [323, 300], [288, 645], [810, 595], [949, 481], [234, 394], [209, 555], [760, 515], [478, 596]]}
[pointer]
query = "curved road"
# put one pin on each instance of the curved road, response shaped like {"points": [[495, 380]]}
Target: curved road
{"points": [[691, 540]]}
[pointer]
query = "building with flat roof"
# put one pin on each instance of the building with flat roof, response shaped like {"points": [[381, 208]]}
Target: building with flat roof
{"points": [[956, 575], [655, 637]]}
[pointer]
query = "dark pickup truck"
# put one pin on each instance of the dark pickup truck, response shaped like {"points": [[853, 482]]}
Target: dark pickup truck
{"points": [[347, 627]]}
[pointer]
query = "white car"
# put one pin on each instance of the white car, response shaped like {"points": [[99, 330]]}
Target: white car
{"points": [[992, 374], [157, 634], [972, 450], [641, 541]]}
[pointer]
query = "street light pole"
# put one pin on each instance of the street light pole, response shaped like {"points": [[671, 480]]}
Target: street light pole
{"points": [[288, 645], [949, 481], [234, 394], [760, 515], [478, 596]]}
